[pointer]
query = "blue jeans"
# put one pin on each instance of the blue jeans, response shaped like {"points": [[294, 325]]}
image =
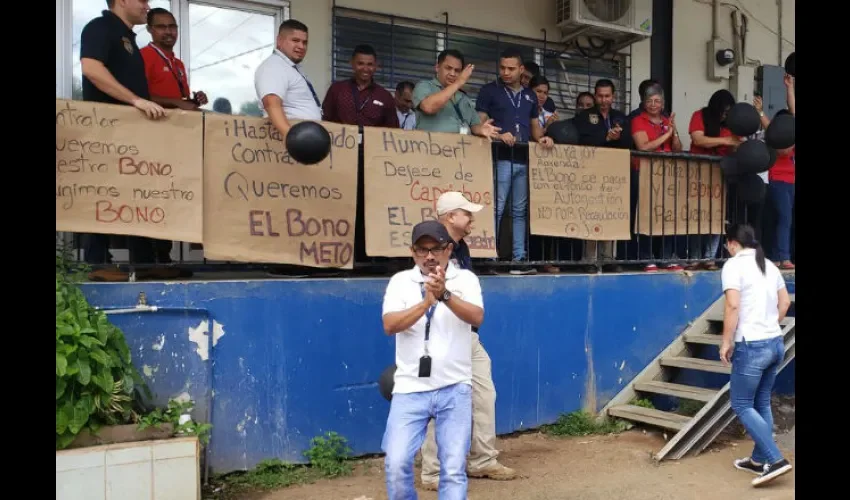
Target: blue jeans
{"points": [[407, 423], [782, 194], [703, 246], [512, 178], [754, 368]]}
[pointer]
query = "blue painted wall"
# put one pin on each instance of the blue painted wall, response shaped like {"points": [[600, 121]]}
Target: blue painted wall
{"points": [[293, 359]]}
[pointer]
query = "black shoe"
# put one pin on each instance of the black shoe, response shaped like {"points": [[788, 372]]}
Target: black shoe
{"points": [[520, 270], [748, 465], [772, 471]]}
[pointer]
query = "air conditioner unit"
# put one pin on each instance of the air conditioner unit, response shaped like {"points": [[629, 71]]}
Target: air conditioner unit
{"points": [[623, 20]]}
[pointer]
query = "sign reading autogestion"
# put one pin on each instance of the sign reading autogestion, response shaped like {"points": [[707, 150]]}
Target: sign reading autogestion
{"points": [[579, 192]]}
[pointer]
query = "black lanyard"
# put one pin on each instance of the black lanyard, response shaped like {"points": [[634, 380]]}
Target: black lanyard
{"points": [[516, 104], [428, 315], [309, 85], [457, 110], [183, 91], [358, 106], [355, 93]]}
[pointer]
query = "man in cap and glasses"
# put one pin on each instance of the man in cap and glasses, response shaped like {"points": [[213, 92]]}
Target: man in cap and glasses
{"points": [[431, 309], [457, 214]]}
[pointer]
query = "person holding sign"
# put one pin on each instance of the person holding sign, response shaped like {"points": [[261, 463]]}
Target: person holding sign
{"points": [[604, 127], [166, 74], [114, 73], [283, 90], [441, 105], [513, 108], [113, 69], [456, 213], [431, 310]]}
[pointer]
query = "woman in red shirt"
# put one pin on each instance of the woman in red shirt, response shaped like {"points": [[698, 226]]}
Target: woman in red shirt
{"points": [[710, 136], [652, 131]]}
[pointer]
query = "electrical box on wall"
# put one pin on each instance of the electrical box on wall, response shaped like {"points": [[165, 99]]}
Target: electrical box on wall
{"points": [[742, 83], [770, 84], [719, 57]]}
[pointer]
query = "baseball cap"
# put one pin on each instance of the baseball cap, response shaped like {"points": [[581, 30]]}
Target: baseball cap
{"points": [[454, 200], [430, 228]]}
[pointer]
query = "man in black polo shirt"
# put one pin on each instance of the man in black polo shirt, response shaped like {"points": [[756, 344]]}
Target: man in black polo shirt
{"points": [[114, 73], [602, 125]]}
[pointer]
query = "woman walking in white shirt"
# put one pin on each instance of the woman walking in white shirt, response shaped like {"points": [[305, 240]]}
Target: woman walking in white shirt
{"points": [[756, 301]]}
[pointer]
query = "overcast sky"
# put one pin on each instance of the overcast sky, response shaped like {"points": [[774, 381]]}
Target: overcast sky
{"points": [[217, 38]]}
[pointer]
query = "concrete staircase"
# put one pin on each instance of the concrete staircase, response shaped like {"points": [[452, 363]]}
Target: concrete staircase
{"points": [[692, 434]]}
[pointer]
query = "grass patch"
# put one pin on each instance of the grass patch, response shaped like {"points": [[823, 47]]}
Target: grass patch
{"points": [[644, 403], [689, 407], [582, 423], [272, 474], [329, 457]]}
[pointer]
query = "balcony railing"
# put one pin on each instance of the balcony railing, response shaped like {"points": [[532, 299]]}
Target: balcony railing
{"points": [[585, 207]]}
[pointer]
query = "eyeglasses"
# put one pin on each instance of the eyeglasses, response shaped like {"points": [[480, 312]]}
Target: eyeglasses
{"points": [[423, 252]]}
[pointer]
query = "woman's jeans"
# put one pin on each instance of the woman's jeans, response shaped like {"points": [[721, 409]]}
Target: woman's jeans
{"points": [[754, 368], [782, 194], [451, 408]]}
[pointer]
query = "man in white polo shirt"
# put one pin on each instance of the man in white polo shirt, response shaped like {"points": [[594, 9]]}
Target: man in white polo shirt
{"points": [[284, 92], [431, 309]]}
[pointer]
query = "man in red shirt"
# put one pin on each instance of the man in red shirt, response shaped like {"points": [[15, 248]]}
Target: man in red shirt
{"points": [[167, 81], [359, 100], [166, 74]]}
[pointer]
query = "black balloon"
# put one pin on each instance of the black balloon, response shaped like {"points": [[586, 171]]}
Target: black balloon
{"points": [[386, 382], [790, 64], [729, 167], [308, 142], [772, 157], [752, 157], [780, 132], [743, 119], [751, 188], [563, 132]]}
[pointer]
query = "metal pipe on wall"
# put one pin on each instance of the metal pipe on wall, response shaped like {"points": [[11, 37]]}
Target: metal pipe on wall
{"points": [[715, 12], [142, 307], [779, 61]]}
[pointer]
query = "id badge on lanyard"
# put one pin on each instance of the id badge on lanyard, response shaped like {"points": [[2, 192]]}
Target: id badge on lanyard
{"points": [[464, 128]]}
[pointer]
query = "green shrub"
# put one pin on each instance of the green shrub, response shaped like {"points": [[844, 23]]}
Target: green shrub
{"points": [[96, 383]]}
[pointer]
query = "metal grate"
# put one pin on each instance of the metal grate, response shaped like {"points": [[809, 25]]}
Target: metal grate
{"points": [[407, 50]]}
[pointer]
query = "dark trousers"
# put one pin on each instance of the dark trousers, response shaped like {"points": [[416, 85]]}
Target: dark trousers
{"points": [[741, 212], [782, 195], [142, 250]]}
